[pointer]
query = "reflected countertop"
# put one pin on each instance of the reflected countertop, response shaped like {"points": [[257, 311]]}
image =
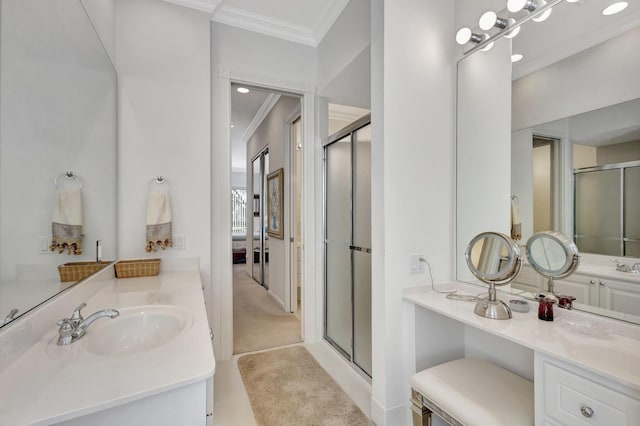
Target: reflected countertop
{"points": [[603, 346]]}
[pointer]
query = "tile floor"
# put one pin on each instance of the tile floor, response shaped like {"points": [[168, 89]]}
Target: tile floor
{"points": [[231, 405]]}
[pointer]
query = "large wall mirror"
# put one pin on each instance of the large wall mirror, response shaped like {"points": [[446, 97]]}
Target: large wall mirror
{"points": [[57, 114], [557, 132]]}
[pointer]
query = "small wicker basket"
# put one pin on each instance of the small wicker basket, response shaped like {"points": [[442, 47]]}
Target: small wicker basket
{"points": [[137, 268], [76, 271]]}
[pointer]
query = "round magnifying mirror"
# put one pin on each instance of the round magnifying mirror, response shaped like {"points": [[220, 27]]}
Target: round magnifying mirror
{"points": [[552, 255], [494, 259]]}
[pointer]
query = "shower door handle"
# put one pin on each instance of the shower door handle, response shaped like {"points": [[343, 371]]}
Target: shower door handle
{"points": [[357, 248]]}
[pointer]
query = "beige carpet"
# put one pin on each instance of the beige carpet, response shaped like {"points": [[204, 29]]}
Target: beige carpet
{"points": [[288, 387], [258, 322]]}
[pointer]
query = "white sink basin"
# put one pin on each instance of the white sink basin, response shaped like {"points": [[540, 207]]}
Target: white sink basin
{"points": [[137, 329]]}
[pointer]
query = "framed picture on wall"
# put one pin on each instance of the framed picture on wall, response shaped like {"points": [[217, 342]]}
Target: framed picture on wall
{"points": [[275, 204]]}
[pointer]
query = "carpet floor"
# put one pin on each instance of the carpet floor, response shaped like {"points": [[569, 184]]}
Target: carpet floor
{"points": [[288, 387], [258, 321]]}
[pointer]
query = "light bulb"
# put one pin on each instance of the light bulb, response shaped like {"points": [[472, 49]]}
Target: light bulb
{"points": [[516, 57], [488, 46], [488, 20], [465, 35], [242, 90], [615, 8], [518, 5]]}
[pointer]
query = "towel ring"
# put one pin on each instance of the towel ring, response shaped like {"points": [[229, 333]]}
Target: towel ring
{"points": [[69, 175], [160, 180]]}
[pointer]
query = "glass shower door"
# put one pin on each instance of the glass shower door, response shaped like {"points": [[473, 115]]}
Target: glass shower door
{"points": [[632, 212], [259, 242], [598, 230], [361, 249], [338, 239]]}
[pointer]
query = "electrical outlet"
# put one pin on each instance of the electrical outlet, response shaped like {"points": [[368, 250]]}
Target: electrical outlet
{"points": [[43, 245], [179, 242], [415, 265]]}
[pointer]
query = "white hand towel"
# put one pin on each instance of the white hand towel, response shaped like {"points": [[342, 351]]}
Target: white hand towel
{"points": [[67, 222], [516, 225], [158, 221]]}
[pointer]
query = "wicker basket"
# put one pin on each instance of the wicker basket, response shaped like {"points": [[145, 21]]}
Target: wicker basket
{"points": [[75, 271], [137, 268]]}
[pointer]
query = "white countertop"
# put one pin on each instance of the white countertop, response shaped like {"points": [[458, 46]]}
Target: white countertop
{"points": [[49, 384], [614, 354]]}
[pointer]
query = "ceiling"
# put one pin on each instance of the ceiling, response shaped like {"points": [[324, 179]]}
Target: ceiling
{"points": [[299, 21]]}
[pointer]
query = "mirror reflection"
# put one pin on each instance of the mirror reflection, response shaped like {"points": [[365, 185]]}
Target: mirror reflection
{"points": [[57, 119], [570, 156]]}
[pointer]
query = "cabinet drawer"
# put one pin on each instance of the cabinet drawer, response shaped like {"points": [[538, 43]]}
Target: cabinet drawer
{"points": [[572, 399]]}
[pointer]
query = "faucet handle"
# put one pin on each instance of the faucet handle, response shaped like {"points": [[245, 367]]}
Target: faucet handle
{"points": [[65, 332], [76, 316]]}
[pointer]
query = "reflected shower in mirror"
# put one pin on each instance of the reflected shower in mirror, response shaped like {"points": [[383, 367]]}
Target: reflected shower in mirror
{"points": [[57, 116]]}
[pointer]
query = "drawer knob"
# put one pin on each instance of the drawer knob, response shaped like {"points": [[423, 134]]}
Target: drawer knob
{"points": [[592, 281], [586, 411]]}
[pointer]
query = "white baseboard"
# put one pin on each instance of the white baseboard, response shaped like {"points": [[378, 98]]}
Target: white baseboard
{"points": [[357, 387], [276, 299], [399, 415]]}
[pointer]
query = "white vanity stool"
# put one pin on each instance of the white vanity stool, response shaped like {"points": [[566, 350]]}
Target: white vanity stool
{"points": [[472, 392]]}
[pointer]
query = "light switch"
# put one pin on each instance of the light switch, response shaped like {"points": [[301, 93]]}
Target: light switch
{"points": [[179, 242]]}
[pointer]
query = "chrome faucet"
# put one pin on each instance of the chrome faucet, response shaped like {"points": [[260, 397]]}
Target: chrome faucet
{"points": [[73, 328], [623, 267], [11, 316]]}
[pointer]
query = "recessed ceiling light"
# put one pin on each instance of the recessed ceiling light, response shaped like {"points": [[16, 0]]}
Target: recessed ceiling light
{"points": [[242, 90], [232, 126], [615, 8], [516, 57]]}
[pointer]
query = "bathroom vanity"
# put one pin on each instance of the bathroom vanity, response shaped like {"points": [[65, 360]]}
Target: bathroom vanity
{"points": [[153, 364], [586, 369]]}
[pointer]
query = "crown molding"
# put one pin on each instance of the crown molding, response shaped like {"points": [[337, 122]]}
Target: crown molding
{"points": [[262, 113], [249, 21], [207, 6]]}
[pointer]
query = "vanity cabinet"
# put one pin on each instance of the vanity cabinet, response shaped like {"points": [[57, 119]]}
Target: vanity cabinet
{"points": [[567, 395], [607, 293]]}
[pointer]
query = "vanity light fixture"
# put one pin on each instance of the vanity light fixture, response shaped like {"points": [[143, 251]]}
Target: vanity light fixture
{"points": [[490, 20], [544, 15], [514, 32], [572, 1], [516, 57], [465, 35], [615, 8], [242, 90], [488, 46], [518, 5]]}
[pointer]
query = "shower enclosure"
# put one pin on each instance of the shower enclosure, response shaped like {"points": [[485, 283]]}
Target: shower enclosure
{"points": [[347, 162], [607, 209]]}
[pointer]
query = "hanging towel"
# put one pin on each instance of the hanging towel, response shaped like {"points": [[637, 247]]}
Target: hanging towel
{"points": [[67, 222], [516, 225], [158, 221]]}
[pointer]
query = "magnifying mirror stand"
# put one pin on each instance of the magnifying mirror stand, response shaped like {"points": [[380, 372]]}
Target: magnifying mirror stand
{"points": [[550, 286], [492, 307]]}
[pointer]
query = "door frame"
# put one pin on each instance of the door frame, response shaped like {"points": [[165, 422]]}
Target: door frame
{"points": [[291, 290], [221, 295]]}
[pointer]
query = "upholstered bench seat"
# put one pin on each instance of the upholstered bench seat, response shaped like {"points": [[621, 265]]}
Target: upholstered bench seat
{"points": [[472, 392]]}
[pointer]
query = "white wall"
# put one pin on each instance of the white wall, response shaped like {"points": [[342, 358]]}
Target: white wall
{"points": [[415, 156], [103, 16], [163, 65], [273, 132], [344, 60]]}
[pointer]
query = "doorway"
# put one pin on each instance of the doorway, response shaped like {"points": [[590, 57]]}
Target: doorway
{"points": [[266, 123]]}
